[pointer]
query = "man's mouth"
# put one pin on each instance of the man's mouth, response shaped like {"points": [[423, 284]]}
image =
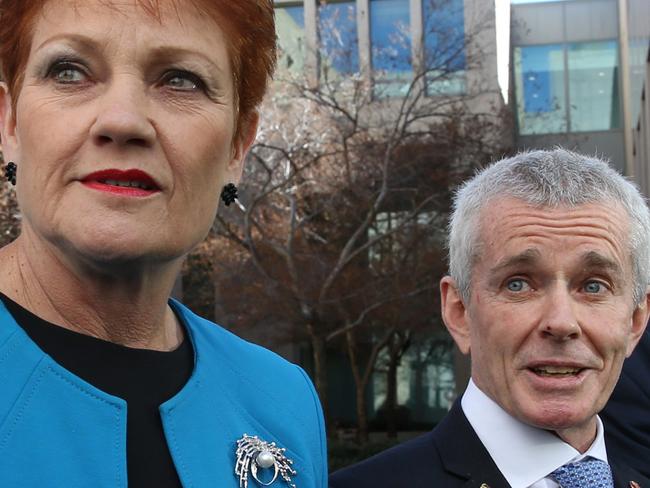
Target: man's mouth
{"points": [[556, 371]]}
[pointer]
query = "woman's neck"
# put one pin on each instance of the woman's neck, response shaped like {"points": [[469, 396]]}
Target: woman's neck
{"points": [[126, 305]]}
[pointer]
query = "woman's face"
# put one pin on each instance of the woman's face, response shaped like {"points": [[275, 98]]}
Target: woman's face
{"points": [[123, 131]]}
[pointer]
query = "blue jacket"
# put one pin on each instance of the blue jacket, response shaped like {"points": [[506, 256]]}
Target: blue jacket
{"points": [[58, 431]]}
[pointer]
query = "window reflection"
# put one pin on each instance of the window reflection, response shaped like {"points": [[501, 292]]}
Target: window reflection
{"points": [[390, 40], [584, 97], [425, 380], [593, 86], [338, 38], [444, 46], [539, 82], [290, 27]]}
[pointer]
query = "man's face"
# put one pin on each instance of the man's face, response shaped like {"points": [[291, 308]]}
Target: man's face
{"points": [[551, 315]]}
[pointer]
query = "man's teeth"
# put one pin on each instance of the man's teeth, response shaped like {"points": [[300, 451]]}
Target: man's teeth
{"points": [[556, 371], [128, 184]]}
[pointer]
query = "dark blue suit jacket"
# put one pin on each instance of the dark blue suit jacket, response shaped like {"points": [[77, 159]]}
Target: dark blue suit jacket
{"points": [[450, 456], [627, 415]]}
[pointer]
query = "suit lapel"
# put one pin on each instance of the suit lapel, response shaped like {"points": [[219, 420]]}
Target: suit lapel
{"points": [[627, 478], [463, 454]]}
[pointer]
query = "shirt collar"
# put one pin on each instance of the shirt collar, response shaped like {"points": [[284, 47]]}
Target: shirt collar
{"points": [[524, 454]]}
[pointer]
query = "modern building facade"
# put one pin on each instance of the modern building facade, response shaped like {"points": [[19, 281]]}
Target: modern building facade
{"points": [[580, 79], [386, 41], [637, 38], [567, 78]]}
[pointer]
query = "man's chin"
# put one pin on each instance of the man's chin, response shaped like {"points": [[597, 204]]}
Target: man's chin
{"points": [[560, 417]]}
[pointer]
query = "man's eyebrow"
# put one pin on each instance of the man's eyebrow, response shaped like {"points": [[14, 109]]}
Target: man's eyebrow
{"points": [[525, 258], [595, 260]]}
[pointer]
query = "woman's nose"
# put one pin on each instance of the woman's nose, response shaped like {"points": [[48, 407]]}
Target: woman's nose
{"points": [[123, 116]]}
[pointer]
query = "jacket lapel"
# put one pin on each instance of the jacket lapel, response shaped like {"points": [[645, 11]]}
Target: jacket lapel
{"points": [[463, 454], [627, 478]]}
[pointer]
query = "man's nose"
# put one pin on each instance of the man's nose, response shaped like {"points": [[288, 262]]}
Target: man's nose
{"points": [[559, 320], [123, 116]]}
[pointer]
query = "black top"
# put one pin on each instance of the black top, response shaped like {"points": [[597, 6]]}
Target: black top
{"points": [[143, 378]]}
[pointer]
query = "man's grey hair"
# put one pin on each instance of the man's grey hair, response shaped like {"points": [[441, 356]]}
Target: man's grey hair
{"points": [[557, 178]]}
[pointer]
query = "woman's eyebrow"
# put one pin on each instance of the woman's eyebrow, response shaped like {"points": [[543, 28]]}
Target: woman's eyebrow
{"points": [[76, 40], [174, 53]]}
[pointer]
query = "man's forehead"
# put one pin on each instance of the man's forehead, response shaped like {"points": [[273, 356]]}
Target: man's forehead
{"points": [[514, 231], [501, 210]]}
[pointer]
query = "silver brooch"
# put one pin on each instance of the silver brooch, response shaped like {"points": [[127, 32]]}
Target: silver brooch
{"points": [[255, 455]]}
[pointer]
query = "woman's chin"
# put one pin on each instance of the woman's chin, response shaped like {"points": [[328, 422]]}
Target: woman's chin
{"points": [[121, 253]]}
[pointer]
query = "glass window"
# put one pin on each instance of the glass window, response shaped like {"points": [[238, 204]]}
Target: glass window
{"points": [[593, 86], [339, 44], [390, 40], [425, 379], [290, 27], [444, 46], [539, 85]]}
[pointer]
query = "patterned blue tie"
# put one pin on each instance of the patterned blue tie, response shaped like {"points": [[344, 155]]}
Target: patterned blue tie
{"points": [[589, 473]]}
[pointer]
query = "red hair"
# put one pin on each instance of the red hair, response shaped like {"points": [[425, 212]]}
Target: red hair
{"points": [[249, 27]]}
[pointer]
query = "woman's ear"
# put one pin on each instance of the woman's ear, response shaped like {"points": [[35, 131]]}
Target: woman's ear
{"points": [[7, 124], [242, 144], [454, 314]]}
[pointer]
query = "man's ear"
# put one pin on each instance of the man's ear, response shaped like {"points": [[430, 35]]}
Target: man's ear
{"points": [[7, 124], [241, 145], [454, 314], [639, 321]]}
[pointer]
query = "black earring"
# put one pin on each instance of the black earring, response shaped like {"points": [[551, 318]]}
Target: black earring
{"points": [[229, 194], [10, 172]]}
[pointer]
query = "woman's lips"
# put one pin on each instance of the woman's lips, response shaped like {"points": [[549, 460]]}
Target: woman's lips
{"points": [[133, 182]]}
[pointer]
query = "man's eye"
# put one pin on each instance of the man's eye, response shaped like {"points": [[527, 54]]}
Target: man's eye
{"points": [[67, 73], [182, 81], [516, 285], [593, 287]]}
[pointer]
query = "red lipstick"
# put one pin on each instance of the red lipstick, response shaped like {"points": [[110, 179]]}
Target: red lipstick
{"points": [[132, 182]]}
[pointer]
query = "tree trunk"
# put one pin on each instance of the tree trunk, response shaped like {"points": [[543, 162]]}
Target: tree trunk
{"points": [[320, 370], [397, 343], [360, 387], [362, 416], [391, 394]]}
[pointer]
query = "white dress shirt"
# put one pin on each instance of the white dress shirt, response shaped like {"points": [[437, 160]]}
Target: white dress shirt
{"points": [[525, 455]]}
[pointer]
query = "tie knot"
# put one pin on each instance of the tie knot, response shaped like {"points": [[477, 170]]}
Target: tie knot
{"points": [[589, 473]]}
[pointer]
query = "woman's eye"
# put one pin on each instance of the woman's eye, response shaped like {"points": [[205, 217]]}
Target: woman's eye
{"points": [[67, 73], [182, 81], [516, 285], [593, 287]]}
